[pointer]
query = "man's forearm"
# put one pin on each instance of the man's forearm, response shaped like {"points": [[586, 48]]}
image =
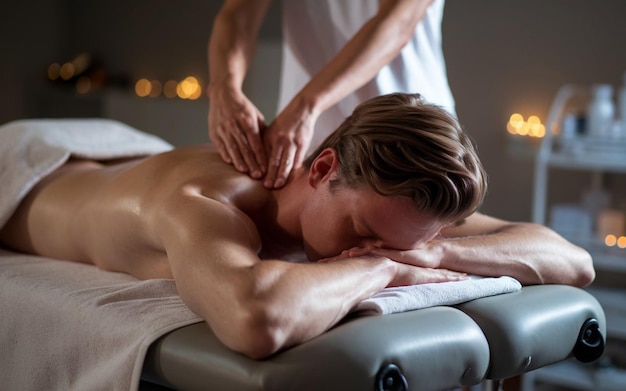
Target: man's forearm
{"points": [[531, 253], [275, 304]]}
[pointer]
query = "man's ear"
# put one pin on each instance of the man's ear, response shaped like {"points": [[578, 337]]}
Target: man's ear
{"points": [[324, 167]]}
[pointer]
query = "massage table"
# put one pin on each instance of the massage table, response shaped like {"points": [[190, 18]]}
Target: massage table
{"points": [[437, 348]]}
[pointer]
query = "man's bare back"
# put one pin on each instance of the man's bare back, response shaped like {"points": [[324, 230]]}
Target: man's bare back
{"points": [[111, 214]]}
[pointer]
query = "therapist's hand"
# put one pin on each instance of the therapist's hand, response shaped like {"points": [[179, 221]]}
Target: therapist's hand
{"points": [[235, 126], [286, 142]]}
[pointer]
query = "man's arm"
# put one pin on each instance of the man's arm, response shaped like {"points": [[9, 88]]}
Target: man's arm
{"points": [[259, 307], [234, 121], [487, 246], [378, 42]]}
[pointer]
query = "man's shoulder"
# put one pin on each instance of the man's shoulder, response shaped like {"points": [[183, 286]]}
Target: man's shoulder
{"points": [[202, 168], [195, 181]]}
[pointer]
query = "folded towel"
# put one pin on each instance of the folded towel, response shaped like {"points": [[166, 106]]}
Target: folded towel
{"points": [[32, 149], [413, 297]]}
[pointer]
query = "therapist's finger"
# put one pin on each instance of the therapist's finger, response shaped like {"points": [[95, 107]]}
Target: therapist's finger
{"points": [[273, 165], [222, 151], [234, 150], [257, 145], [217, 140], [285, 167], [299, 157], [280, 166], [253, 152], [248, 159]]}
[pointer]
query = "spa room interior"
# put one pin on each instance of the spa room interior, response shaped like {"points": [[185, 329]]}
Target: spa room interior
{"points": [[524, 75]]}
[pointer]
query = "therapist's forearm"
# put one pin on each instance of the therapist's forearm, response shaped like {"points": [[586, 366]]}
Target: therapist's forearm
{"points": [[379, 41], [233, 42]]}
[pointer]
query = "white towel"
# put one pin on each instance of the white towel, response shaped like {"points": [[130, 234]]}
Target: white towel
{"points": [[32, 149], [71, 326], [414, 297]]}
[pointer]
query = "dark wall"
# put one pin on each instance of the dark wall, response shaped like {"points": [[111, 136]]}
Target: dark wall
{"points": [[31, 33]]}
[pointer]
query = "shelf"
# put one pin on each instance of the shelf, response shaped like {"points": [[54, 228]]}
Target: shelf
{"points": [[585, 153], [598, 155], [589, 162]]}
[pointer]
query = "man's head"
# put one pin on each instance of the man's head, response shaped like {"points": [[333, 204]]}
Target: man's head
{"points": [[399, 145]]}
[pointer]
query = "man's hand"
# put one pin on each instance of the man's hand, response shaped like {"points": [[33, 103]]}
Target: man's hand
{"points": [[235, 126], [406, 273], [428, 256]]}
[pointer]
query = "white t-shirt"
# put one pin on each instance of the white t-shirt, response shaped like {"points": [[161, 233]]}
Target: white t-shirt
{"points": [[315, 30]]}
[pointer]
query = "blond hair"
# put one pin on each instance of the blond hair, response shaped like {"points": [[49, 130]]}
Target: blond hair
{"points": [[399, 145]]}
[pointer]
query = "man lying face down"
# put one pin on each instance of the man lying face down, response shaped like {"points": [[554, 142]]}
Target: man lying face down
{"points": [[389, 199]]}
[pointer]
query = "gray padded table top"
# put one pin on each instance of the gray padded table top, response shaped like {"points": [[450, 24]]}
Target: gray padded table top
{"points": [[429, 349], [537, 326]]}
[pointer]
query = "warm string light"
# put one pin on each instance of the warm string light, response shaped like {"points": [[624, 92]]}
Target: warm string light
{"points": [[77, 66], [80, 72], [532, 127], [86, 77], [188, 88], [613, 240]]}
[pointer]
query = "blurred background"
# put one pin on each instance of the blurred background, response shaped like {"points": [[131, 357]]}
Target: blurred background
{"points": [[503, 58], [144, 62]]}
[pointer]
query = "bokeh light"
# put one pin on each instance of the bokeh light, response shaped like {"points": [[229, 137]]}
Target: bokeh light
{"points": [[54, 71], [188, 88], [83, 85], [143, 87], [169, 89], [531, 127], [155, 88], [67, 71], [610, 240]]}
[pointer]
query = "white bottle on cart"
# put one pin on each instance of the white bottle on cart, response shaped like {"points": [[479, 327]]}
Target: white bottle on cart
{"points": [[601, 111]]}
